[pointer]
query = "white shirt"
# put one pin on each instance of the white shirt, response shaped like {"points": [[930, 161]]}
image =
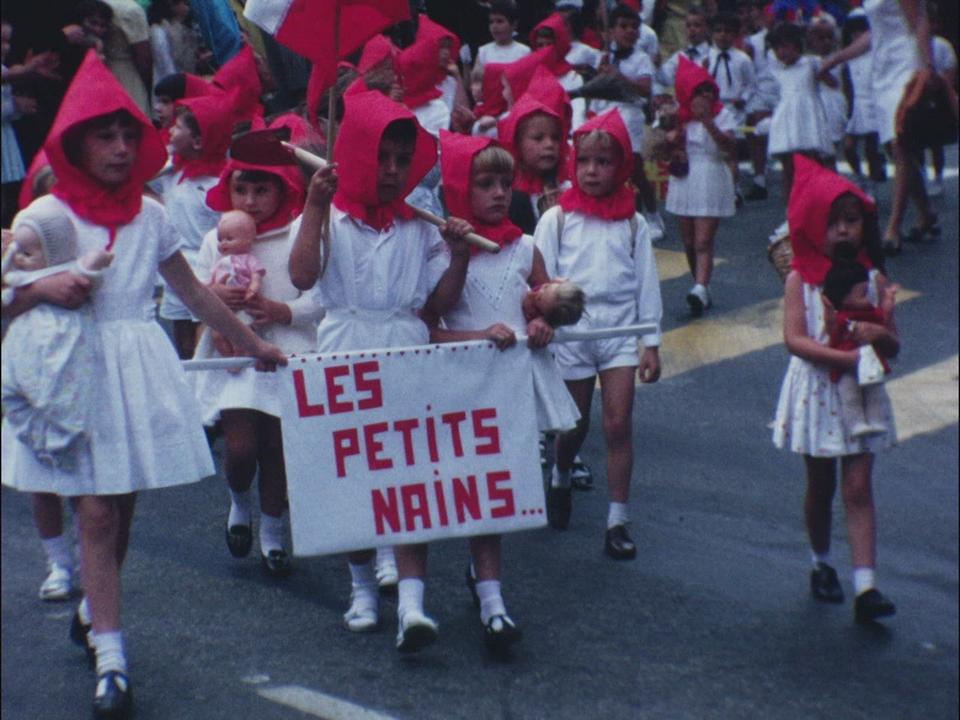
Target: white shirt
{"points": [[186, 204], [741, 82], [582, 54], [635, 67], [944, 58], [648, 41], [667, 74], [494, 53]]}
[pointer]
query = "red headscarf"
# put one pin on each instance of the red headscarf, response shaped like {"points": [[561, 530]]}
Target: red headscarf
{"points": [[457, 153], [214, 115], [814, 190], [365, 118], [508, 132], [377, 49], [419, 64], [291, 205], [427, 29], [555, 61], [195, 86], [240, 73], [690, 76], [93, 93], [547, 89], [491, 100], [620, 204], [520, 72]]}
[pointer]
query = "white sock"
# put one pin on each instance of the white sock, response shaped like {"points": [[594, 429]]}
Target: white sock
{"points": [[83, 610], [617, 515], [409, 595], [491, 602], [362, 575], [818, 558], [760, 180], [271, 533], [110, 656], [560, 478], [239, 508], [58, 550], [863, 580]]}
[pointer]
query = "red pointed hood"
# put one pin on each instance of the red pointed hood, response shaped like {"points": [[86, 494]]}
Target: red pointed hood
{"points": [[214, 114], [195, 86], [690, 76], [555, 60], [508, 133], [547, 89], [95, 92], [620, 204], [294, 192], [428, 30], [365, 118], [419, 66], [520, 72], [457, 153], [378, 49], [814, 190], [491, 101], [240, 73]]}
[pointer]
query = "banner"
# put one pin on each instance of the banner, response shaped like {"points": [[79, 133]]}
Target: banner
{"points": [[410, 445]]}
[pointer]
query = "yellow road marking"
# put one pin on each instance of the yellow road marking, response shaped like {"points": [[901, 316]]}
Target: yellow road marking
{"points": [[926, 400], [672, 264]]}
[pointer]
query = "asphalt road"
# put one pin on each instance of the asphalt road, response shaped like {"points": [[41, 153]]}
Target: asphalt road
{"points": [[713, 619]]}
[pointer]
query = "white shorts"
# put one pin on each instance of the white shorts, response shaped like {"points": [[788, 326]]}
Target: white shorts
{"points": [[585, 358]]}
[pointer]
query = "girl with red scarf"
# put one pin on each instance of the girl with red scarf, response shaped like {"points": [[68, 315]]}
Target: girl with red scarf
{"points": [[596, 239], [706, 192], [247, 403], [477, 178], [145, 423], [382, 267], [826, 212]]}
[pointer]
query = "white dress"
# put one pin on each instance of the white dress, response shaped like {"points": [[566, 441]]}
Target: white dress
{"points": [[799, 122], [708, 190], [809, 419], [895, 60], [248, 389], [863, 117], [493, 293], [146, 430], [834, 108]]}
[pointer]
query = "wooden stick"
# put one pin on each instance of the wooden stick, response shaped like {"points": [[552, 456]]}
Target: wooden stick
{"points": [[316, 162], [332, 99]]}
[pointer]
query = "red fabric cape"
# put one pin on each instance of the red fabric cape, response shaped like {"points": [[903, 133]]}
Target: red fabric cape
{"points": [[218, 197], [240, 73]]}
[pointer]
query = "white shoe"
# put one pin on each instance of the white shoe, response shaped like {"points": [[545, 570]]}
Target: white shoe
{"points": [[698, 299], [416, 631], [386, 568], [935, 188], [58, 584], [364, 612], [657, 227]]}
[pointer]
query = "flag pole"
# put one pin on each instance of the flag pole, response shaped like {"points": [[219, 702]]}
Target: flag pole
{"points": [[332, 99]]}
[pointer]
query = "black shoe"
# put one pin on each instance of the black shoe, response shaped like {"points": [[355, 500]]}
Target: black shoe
{"points": [[871, 605], [114, 697], [824, 585], [80, 635], [757, 192], [276, 563], [472, 586], [559, 504], [500, 633], [618, 545], [239, 540]]}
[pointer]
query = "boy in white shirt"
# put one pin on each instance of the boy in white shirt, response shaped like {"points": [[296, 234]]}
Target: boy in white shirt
{"points": [[697, 50], [503, 25]]}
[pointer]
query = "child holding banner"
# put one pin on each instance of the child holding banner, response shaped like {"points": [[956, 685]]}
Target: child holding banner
{"points": [[477, 181], [383, 267], [596, 239]]}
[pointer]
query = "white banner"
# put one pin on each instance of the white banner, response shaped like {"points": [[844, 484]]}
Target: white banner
{"points": [[410, 445]]}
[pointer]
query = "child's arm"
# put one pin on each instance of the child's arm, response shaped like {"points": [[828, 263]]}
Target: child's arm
{"points": [[304, 263], [795, 335], [704, 113], [498, 333], [67, 290], [253, 289], [448, 289]]}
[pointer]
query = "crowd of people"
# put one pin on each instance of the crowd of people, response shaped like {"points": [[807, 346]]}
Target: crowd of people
{"points": [[552, 144]]}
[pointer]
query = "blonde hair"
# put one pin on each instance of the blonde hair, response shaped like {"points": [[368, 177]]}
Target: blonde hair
{"points": [[569, 301], [603, 139], [495, 159]]}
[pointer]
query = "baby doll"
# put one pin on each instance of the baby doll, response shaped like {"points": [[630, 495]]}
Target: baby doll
{"points": [[861, 396], [49, 351], [558, 302], [237, 266]]}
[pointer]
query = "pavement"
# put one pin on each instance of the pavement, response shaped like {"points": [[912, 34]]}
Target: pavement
{"points": [[712, 620]]}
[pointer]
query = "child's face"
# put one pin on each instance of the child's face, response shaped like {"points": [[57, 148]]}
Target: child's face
{"points": [[544, 38], [787, 53], [163, 110], [235, 236], [696, 29], [597, 164], [259, 199], [501, 29], [539, 143], [109, 153], [857, 299], [490, 196], [820, 39], [96, 25], [723, 37], [183, 142], [845, 223], [393, 167], [29, 254], [626, 31], [180, 9]]}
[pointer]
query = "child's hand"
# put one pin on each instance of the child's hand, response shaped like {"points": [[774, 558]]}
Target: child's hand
{"points": [[454, 231], [267, 312], [888, 296], [66, 289], [231, 296], [539, 333], [501, 336], [323, 186], [268, 357], [649, 369]]}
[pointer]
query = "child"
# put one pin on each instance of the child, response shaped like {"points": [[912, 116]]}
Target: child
{"points": [[862, 124], [503, 25], [846, 286], [247, 403], [822, 40], [707, 192], [477, 175], [762, 103], [199, 139], [799, 124], [147, 432], [826, 210], [552, 33], [166, 93], [595, 239], [383, 267], [698, 47]]}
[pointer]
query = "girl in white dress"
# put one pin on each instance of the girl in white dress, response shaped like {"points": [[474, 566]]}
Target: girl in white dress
{"points": [[862, 124], [822, 40], [799, 124], [147, 432], [825, 211], [706, 193]]}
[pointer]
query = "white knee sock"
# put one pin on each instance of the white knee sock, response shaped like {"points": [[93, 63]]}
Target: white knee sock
{"points": [[617, 515], [863, 580], [491, 602], [110, 655], [58, 550], [409, 595], [271, 533], [239, 508], [560, 478]]}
